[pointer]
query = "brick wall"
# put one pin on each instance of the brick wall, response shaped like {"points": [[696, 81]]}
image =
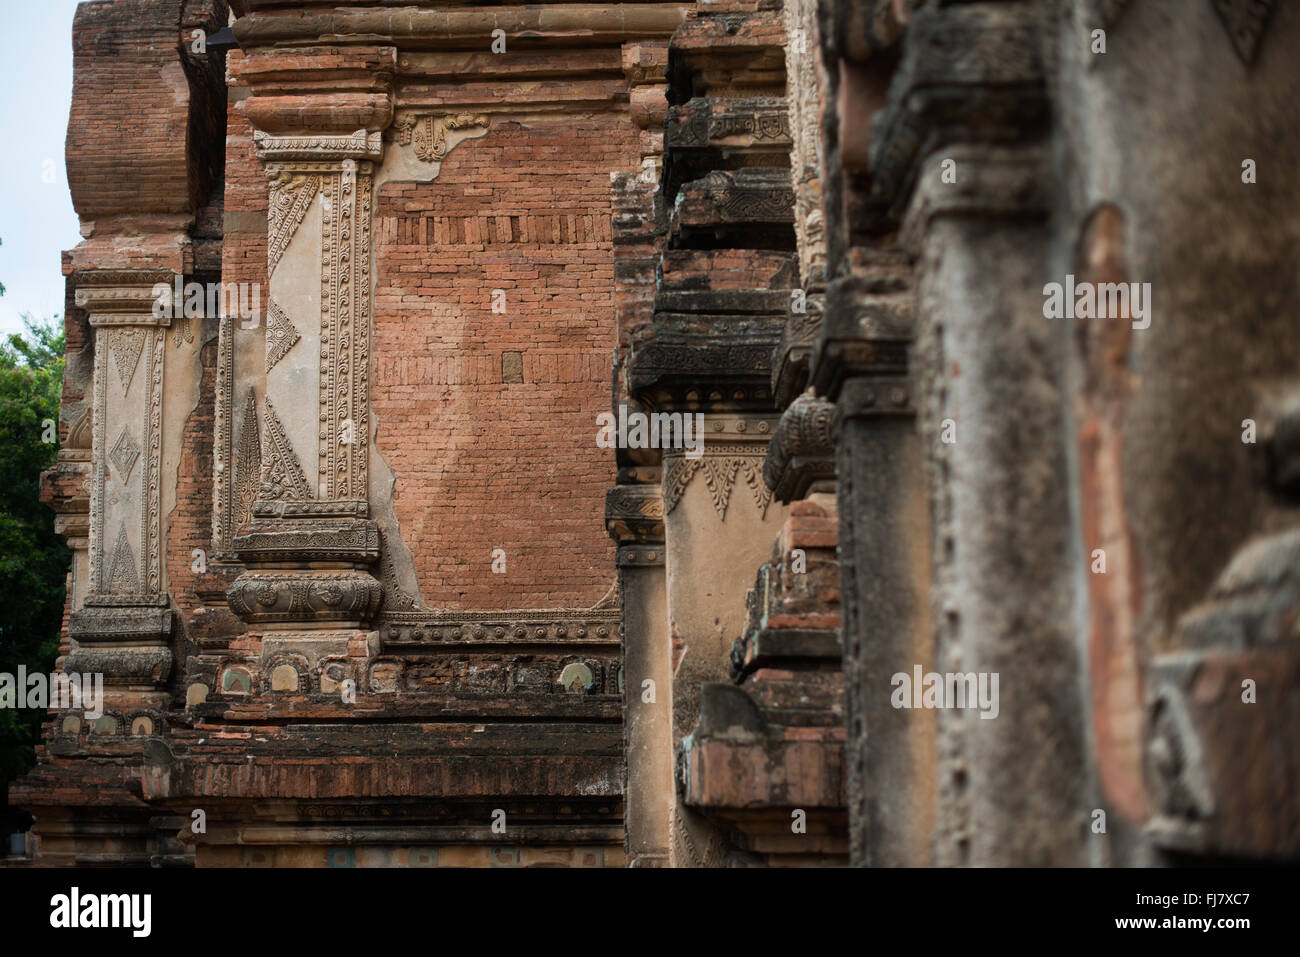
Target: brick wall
{"points": [[190, 522], [243, 251], [489, 418], [131, 101]]}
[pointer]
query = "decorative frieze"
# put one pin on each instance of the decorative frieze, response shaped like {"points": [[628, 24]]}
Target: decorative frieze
{"points": [[123, 667], [721, 465], [757, 198], [124, 624], [361, 144], [703, 122], [413, 629]]}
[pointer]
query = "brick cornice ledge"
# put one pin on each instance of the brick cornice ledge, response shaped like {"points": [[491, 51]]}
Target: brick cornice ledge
{"points": [[464, 26]]}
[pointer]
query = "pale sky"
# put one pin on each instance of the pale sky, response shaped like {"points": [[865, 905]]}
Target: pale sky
{"points": [[36, 218]]}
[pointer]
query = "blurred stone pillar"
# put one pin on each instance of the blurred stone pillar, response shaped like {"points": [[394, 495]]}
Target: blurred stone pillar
{"points": [[634, 516], [860, 362], [960, 146]]}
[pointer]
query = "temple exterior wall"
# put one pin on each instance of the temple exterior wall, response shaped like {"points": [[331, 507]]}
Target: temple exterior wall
{"points": [[367, 589]]}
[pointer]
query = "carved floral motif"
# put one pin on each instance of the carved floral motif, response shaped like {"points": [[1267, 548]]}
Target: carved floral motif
{"points": [[282, 475], [428, 133]]}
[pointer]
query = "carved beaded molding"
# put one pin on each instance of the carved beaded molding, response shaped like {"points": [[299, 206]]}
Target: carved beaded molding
{"points": [[224, 517], [358, 145], [566, 626]]}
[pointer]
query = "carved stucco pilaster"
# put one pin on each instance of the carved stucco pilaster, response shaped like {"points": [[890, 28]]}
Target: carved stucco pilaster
{"points": [[719, 524], [310, 457], [126, 600]]}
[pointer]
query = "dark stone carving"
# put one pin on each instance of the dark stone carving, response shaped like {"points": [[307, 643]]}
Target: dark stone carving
{"points": [[260, 597], [704, 122], [802, 451], [635, 513], [970, 72], [101, 624], [793, 355], [750, 208], [356, 541], [715, 340], [1245, 21], [122, 666], [865, 330]]}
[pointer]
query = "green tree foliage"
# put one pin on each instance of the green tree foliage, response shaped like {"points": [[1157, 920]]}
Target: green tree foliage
{"points": [[33, 560]]}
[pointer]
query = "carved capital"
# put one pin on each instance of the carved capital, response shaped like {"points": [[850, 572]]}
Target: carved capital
{"points": [[318, 102], [866, 326], [635, 514], [972, 73], [123, 297], [994, 182], [793, 353]]}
